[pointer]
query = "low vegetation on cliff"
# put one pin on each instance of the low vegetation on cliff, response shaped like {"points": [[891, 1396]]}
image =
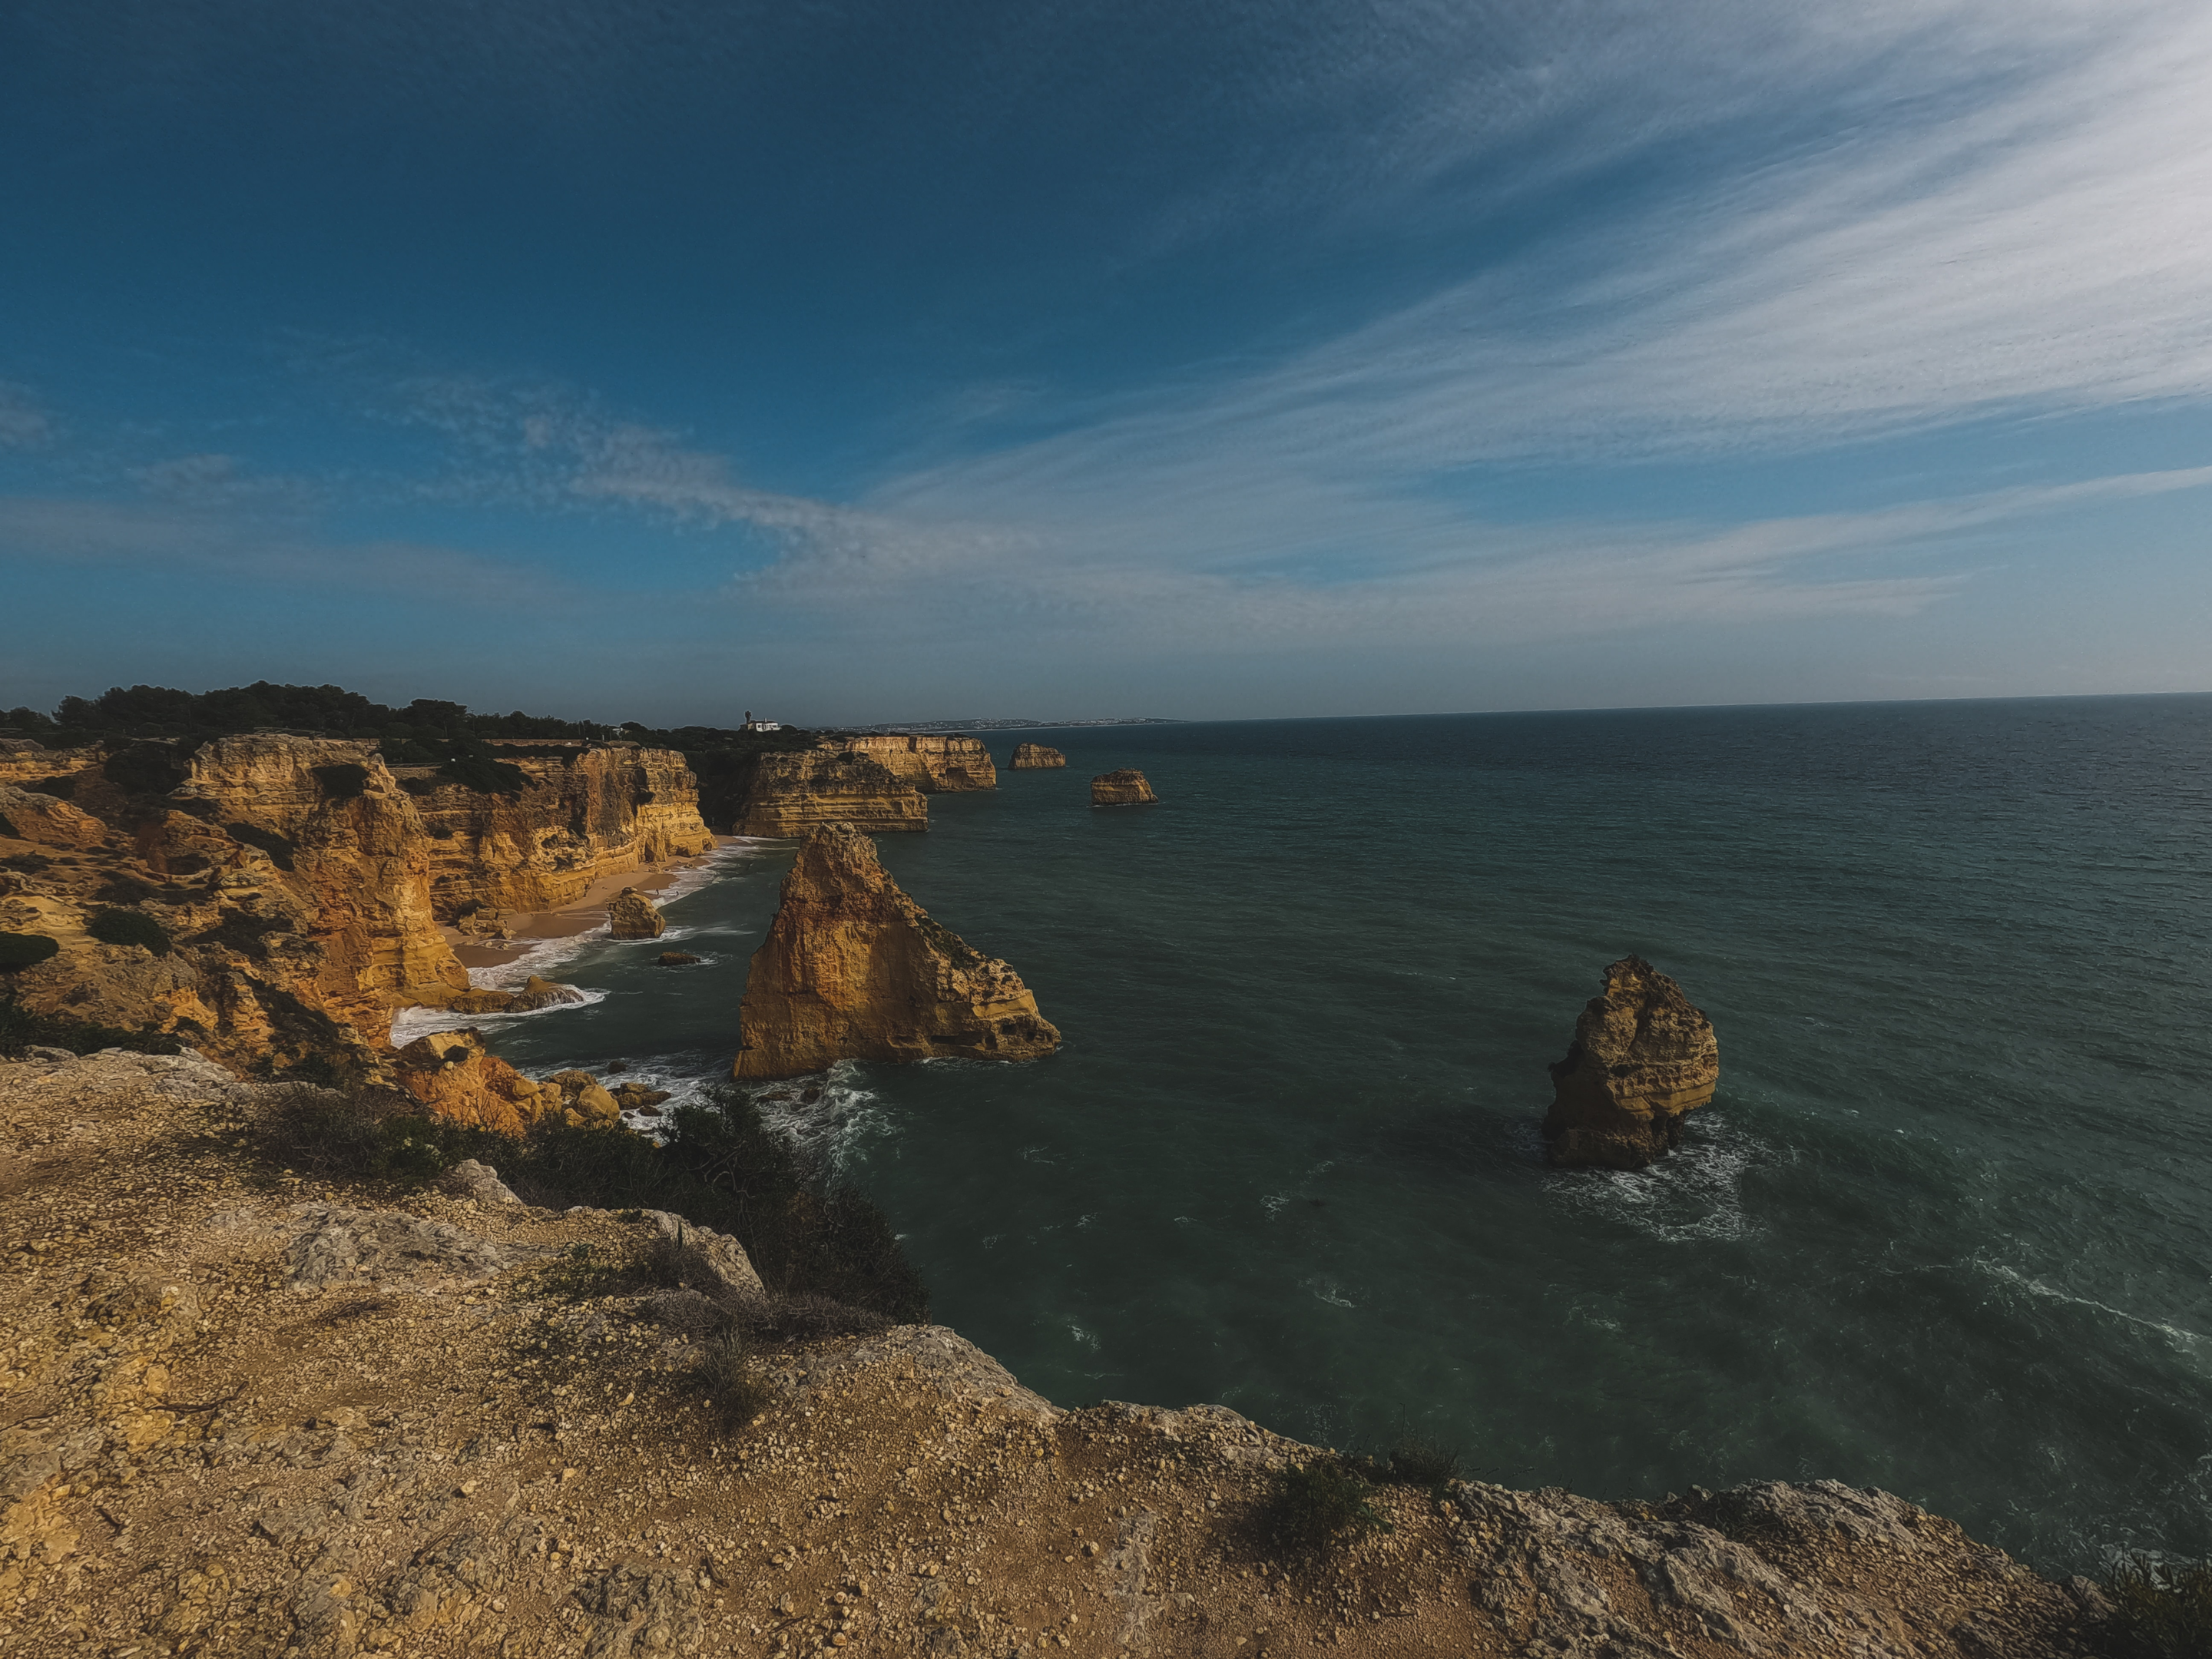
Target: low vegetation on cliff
{"points": [[716, 1163]]}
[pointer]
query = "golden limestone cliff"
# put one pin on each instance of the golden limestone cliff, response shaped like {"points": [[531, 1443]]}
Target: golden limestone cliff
{"points": [[1643, 1058], [1036, 758], [935, 765], [273, 900], [854, 969], [604, 812], [793, 792], [1125, 787]]}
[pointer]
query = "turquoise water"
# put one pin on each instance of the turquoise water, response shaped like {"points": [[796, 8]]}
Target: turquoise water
{"points": [[1944, 1229]]}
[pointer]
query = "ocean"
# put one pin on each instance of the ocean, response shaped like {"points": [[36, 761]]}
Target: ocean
{"points": [[1944, 1229]]}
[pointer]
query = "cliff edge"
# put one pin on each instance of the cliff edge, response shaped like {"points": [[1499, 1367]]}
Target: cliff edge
{"points": [[852, 969], [258, 1415]]}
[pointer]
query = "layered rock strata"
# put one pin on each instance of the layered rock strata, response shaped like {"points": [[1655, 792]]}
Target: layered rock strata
{"points": [[1643, 1058], [935, 765], [310, 1421], [1125, 787], [794, 792], [630, 914], [852, 969], [300, 883], [1036, 758]]}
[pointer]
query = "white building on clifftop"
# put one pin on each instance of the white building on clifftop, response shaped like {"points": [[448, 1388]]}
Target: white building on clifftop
{"points": [[752, 725]]}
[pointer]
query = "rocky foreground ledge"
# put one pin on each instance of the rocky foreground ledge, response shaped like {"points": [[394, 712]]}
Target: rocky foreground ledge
{"points": [[242, 1414]]}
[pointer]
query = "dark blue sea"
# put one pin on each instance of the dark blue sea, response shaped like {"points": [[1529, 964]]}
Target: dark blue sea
{"points": [[1946, 1228]]}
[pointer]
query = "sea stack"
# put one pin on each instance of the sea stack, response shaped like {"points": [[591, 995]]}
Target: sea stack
{"points": [[1125, 787], [852, 969], [1036, 758], [630, 914], [1643, 1058]]}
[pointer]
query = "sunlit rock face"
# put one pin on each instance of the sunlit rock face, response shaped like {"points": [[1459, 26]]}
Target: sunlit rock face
{"points": [[791, 794], [854, 969], [1643, 1059]]}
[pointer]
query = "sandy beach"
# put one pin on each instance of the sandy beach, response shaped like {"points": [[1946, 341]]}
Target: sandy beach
{"points": [[587, 913]]}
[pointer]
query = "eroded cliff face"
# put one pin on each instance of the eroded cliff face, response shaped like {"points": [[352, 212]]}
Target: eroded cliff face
{"points": [[604, 812], [794, 792], [854, 969], [300, 884], [1643, 1058], [1036, 758], [935, 765]]}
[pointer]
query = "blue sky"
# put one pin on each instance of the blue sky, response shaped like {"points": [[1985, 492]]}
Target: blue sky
{"points": [[878, 361]]}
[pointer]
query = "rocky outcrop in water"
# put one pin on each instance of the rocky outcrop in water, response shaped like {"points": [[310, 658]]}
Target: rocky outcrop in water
{"points": [[1125, 787], [1643, 1058], [299, 884], [854, 969], [630, 914], [1036, 758], [791, 793], [935, 765]]}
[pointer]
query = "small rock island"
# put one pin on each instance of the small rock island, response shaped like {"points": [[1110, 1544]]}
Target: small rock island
{"points": [[852, 969], [630, 914], [1643, 1058], [1035, 758], [1125, 787]]}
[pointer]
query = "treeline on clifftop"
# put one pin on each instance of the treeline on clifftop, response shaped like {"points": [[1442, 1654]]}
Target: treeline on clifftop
{"points": [[425, 732], [716, 1164]]}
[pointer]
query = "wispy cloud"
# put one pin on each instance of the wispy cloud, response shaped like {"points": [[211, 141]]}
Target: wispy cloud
{"points": [[23, 420], [170, 538]]}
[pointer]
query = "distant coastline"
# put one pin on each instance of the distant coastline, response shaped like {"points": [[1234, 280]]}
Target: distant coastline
{"points": [[1007, 725]]}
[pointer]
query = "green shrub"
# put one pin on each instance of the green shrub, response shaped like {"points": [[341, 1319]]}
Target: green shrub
{"points": [[129, 927], [2163, 1611], [1419, 1460], [358, 1131], [718, 1165], [21, 949], [1319, 1502], [726, 1371]]}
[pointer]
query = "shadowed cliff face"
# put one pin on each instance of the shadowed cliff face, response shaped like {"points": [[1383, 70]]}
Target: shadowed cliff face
{"points": [[298, 882], [1643, 1058], [854, 969]]}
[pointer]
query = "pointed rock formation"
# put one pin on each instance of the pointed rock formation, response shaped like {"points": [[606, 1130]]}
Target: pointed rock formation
{"points": [[794, 792], [630, 914], [1036, 758], [854, 969], [1643, 1058], [1125, 787]]}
